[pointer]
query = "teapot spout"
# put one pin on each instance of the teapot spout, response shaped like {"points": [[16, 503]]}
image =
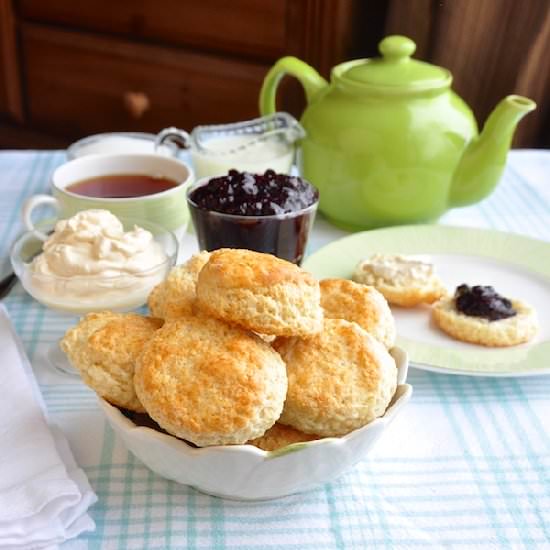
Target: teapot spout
{"points": [[483, 161]]}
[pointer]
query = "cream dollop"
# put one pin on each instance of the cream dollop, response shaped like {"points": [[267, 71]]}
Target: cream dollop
{"points": [[90, 261], [396, 269]]}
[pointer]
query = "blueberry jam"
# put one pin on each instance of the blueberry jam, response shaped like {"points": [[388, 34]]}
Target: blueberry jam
{"points": [[483, 301], [245, 194], [268, 212]]}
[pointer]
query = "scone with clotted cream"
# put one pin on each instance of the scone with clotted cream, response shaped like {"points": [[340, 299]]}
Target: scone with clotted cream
{"points": [[405, 281]]}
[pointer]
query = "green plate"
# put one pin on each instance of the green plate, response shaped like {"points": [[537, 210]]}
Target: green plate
{"points": [[517, 266]]}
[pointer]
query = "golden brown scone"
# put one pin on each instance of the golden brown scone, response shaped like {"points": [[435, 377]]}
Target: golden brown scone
{"points": [[103, 347], [344, 299], [405, 281], [260, 292], [210, 383], [338, 380], [175, 296], [279, 436], [476, 330]]}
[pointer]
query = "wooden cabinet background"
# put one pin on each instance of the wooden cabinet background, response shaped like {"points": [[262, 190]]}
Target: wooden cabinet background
{"points": [[81, 68], [69, 69], [492, 47]]}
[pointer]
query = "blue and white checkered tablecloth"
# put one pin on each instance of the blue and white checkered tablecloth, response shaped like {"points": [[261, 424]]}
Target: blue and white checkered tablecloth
{"points": [[467, 464]]}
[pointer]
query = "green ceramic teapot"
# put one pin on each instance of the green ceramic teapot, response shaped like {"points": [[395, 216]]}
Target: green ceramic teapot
{"points": [[388, 142]]}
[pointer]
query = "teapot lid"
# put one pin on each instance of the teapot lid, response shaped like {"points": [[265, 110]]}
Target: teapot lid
{"points": [[395, 71]]}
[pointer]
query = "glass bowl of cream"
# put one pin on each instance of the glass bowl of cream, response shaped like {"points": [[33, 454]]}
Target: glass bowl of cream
{"points": [[93, 261]]}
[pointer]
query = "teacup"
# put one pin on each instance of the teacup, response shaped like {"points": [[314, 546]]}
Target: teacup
{"points": [[120, 142], [72, 186]]}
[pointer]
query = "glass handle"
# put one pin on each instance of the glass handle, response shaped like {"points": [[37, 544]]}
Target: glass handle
{"points": [[30, 205], [174, 135]]}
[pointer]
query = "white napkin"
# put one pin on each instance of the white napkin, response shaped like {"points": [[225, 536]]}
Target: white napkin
{"points": [[44, 496]]}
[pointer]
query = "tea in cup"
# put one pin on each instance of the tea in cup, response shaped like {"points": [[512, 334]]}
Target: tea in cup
{"points": [[145, 186]]}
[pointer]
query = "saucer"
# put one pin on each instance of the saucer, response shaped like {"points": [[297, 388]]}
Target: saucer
{"points": [[517, 266]]}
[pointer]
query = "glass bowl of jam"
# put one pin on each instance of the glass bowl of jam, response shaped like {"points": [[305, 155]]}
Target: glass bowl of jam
{"points": [[269, 212]]}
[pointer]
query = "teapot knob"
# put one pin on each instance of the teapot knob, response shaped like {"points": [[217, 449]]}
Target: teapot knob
{"points": [[396, 48]]}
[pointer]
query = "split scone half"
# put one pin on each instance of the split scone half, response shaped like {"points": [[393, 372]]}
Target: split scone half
{"points": [[103, 347], [405, 281], [338, 380], [259, 292], [210, 383], [511, 331]]}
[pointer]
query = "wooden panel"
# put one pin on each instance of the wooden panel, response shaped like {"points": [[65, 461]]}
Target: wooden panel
{"points": [[10, 89], [80, 84], [415, 19], [493, 48], [13, 136], [145, 64], [250, 27], [535, 83], [321, 31]]}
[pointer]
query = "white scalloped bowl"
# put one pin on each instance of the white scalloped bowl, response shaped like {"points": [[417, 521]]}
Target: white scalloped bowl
{"points": [[245, 472]]}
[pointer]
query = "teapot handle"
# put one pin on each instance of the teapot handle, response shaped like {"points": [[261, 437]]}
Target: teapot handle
{"points": [[310, 79]]}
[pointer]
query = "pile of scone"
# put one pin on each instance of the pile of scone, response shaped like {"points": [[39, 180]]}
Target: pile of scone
{"points": [[243, 347]]}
